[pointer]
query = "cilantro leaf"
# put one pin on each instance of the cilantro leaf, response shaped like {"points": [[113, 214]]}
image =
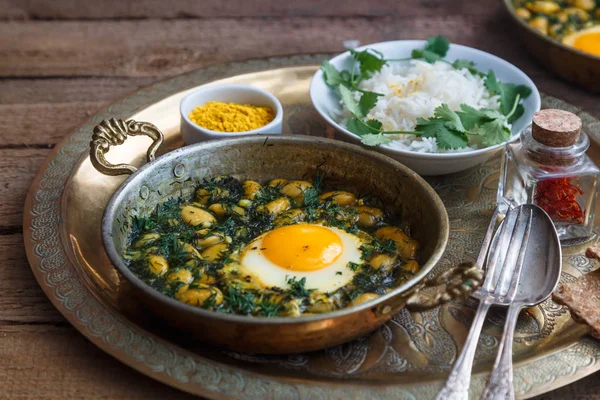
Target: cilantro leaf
{"points": [[438, 45], [375, 139], [494, 132], [471, 117], [460, 64], [349, 101], [446, 138], [356, 126], [470, 65], [508, 93], [367, 102], [435, 49], [332, 76], [449, 139], [519, 111], [369, 62], [450, 118], [427, 55]]}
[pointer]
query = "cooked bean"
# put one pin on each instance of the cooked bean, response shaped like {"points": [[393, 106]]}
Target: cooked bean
{"points": [[210, 240], [245, 203], [203, 196], [587, 5], [540, 24], [214, 252], [383, 261], [218, 209], [278, 206], [295, 190], [523, 13], [181, 275], [146, 240], [197, 217], [251, 189], [189, 249], [408, 247], [158, 264], [412, 266], [543, 7], [368, 216], [277, 182], [198, 296], [339, 197], [363, 298]]}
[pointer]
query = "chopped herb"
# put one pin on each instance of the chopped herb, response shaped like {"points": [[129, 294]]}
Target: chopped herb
{"points": [[352, 265], [298, 287]]}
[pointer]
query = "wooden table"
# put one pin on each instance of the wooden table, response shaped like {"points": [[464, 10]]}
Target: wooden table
{"points": [[61, 61]]}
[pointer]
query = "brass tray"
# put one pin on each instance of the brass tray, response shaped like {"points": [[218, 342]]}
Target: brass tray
{"points": [[407, 358]]}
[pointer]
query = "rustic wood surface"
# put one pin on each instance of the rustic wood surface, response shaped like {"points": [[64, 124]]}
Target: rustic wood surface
{"points": [[62, 60]]}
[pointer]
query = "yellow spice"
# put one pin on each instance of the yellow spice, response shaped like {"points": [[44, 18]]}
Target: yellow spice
{"points": [[231, 117]]}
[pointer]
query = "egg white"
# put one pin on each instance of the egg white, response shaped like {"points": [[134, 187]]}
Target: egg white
{"points": [[326, 279]]}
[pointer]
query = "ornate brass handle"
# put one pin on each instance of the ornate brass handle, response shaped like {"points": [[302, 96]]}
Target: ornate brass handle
{"points": [[113, 132], [456, 283]]}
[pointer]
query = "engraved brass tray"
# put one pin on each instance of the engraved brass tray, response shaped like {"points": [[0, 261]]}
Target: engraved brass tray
{"points": [[407, 358]]}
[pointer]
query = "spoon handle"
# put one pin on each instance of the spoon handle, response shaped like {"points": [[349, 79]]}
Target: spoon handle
{"points": [[500, 386], [457, 385]]}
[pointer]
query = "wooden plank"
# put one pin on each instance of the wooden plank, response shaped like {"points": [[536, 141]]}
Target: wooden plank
{"points": [[109, 48], [22, 300], [43, 124], [48, 362], [17, 169], [63, 90], [74, 9]]}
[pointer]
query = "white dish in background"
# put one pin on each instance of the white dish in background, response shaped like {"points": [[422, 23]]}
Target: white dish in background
{"points": [[327, 101], [241, 94]]}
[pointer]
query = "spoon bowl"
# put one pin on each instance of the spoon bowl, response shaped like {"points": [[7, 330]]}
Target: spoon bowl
{"points": [[537, 271]]}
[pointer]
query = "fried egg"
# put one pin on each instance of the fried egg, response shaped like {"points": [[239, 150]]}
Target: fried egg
{"points": [[318, 253], [587, 40]]}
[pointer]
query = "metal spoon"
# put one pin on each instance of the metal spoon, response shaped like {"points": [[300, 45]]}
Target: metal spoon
{"points": [[539, 268], [507, 247]]}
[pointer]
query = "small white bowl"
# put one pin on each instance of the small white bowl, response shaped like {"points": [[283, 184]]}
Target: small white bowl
{"points": [[241, 94], [326, 101]]}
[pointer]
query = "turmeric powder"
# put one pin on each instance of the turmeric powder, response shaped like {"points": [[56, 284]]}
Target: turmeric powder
{"points": [[231, 117]]}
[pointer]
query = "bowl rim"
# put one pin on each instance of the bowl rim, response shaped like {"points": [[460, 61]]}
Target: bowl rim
{"points": [[413, 154], [277, 119], [510, 7], [110, 210]]}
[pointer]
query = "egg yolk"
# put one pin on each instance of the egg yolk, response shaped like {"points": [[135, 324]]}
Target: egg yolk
{"points": [[302, 247], [589, 42]]}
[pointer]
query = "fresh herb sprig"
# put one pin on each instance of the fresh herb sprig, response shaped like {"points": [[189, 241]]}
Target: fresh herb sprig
{"points": [[450, 128]]}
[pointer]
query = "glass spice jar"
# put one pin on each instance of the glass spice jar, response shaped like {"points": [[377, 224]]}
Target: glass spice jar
{"points": [[548, 167]]}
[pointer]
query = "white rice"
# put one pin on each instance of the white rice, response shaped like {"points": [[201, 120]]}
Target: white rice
{"points": [[414, 89]]}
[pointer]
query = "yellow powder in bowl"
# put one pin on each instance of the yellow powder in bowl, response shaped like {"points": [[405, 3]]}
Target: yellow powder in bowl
{"points": [[231, 117]]}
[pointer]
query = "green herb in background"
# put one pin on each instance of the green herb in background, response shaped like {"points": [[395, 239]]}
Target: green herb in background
{"points": [[450, 128]]}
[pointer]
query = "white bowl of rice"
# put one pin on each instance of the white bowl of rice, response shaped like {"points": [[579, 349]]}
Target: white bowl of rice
{"points": [[413, 89]]}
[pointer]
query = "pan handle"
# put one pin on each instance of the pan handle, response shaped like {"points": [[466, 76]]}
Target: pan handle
{"points": [[454, 284], [114, 132]]}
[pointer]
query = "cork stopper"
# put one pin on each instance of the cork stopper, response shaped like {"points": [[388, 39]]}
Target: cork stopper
{"points": [[556, 128]]}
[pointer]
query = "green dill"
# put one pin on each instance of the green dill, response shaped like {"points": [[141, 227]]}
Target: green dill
{"points": [[211, 301], [298, 287], [239, 301], [338, 273], [141, 224], [377, 246], [268, 308], [352, 265]]}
